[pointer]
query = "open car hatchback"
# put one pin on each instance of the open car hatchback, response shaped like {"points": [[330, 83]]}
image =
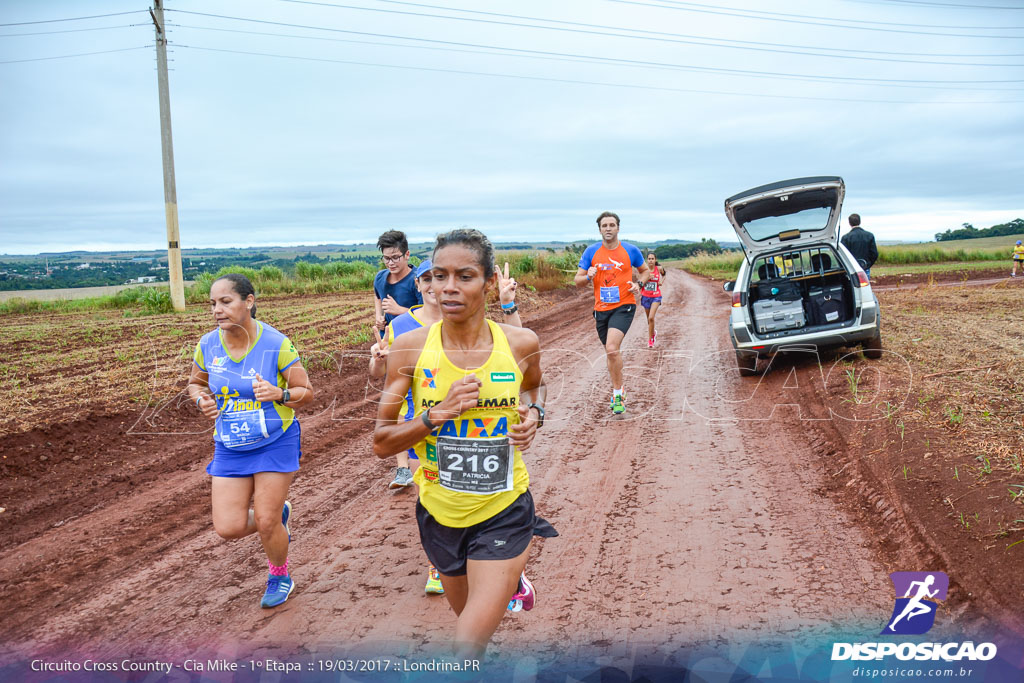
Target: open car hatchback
{"points": [[798, 286]]}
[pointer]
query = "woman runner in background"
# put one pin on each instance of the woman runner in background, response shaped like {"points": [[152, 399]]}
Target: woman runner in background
{"points": [[479, 395], [256, 437], [650, 296]]}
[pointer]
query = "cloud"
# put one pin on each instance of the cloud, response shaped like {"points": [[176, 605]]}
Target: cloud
{"points": [[272, 150]]}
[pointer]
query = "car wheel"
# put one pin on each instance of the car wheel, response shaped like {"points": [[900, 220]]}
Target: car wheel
{"points": [[873, 347], [746, 361]]}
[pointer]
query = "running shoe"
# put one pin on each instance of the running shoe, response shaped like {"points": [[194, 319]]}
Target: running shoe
{"points": [[433, 586], [284, 518], [525, 596], [278, 590], [650, 343], [619, 404], [403, 479]]}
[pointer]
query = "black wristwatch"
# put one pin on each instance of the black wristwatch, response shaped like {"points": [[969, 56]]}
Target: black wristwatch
{"points": [[285, 396], [510, 311], [425, 417], [540, 414]]}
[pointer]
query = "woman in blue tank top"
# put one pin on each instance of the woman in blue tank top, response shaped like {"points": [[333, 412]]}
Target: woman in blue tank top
{"points": [[247, 377]]}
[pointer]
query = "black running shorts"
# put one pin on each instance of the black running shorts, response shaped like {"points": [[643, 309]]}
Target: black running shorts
{"points": [[502, 537], [620, 318]]}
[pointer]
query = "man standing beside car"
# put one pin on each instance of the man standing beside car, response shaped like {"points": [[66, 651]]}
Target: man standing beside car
{"points": [[609, 266], [861, 244]]}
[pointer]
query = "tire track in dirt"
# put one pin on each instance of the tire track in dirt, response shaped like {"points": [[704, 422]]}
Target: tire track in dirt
{"points": [[675, 529]]}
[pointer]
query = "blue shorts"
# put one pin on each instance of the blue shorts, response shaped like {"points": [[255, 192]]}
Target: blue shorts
{"points": [[646, 301], [280, 455]]}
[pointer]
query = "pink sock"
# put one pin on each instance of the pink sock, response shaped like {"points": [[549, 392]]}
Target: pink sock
{"points": [[278, 571]]}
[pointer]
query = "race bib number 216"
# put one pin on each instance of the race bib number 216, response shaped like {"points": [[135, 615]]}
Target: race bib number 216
{"points": [[480, 466]]}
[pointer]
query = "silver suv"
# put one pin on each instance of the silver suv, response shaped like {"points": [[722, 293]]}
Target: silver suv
{"points": [[798, 287]]}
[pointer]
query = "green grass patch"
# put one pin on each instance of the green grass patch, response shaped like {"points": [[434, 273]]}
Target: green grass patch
{"points": [[722, 266], [358, 336], [139, 300], [978, 243], [939, 252]]}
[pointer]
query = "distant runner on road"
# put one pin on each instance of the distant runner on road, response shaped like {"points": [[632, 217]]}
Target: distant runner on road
{"points": [[479, 396], [1018, 259], [609, 266], [650, 296], [256, 438]]}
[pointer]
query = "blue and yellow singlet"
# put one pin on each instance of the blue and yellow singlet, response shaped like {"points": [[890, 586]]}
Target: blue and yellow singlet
{"points": [[245, 424]]}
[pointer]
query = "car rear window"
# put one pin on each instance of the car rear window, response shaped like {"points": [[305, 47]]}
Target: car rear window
{"points": [[799, 263], [804, 211]]}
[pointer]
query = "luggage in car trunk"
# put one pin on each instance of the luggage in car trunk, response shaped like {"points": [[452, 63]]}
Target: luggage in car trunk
{"points": [[826, 305], [772, 315], [780, 289]]}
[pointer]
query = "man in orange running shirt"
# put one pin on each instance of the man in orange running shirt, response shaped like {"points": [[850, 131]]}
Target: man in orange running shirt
{"points": [[609, 266]]}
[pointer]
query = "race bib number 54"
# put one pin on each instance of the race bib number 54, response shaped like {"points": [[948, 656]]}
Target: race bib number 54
{"points": [[480, 466], [242, 428]]}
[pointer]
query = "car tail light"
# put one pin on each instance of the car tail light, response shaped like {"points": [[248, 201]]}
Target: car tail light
{"points": [[737, 299], [862, 279]]}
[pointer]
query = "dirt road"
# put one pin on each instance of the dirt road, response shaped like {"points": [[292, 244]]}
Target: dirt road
{"points": [[694, 519]]}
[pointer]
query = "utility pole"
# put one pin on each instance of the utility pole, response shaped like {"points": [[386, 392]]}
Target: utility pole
{"points": [[167, 144]]}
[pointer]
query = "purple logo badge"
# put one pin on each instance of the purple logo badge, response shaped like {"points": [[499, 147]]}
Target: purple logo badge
{"points": [[917, 598]]}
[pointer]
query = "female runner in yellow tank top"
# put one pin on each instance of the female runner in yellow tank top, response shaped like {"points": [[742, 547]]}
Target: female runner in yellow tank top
{"points": [[479, 397]]}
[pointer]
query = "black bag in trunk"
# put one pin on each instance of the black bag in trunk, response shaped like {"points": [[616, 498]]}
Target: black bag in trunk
{"points": [[779, 289], [826, 305]]}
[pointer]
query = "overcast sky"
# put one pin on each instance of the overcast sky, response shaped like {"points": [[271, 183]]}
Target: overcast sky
{"points": [[522, 118]]}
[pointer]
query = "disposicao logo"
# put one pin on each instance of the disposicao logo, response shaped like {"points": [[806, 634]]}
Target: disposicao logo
{"points": [[914, 612], [917, 598]]}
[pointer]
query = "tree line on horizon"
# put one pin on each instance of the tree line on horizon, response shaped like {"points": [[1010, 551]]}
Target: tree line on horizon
{"points": [[673, 251], [968, 231]]}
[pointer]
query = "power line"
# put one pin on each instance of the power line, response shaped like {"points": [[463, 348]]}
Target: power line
{"points": [[95, 16], [632, 86], [554, 21], [734, 12], [949, 4], [748, 45], [68, 30], [80, 54], [619, 61]]}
